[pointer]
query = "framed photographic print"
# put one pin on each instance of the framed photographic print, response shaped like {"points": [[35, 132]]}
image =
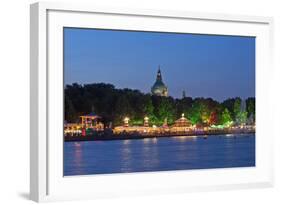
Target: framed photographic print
{"points": [[127, 102]]}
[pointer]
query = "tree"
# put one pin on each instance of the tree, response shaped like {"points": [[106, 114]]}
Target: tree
{"points": [[183, 105], [251, 107], [229, 104], [166, 110], [241, 117], [226, 118], [148, 109], [69, 111], [237, 107], [148, 106], [213, 118], [114, 104], [122, 109], [198, 112]]}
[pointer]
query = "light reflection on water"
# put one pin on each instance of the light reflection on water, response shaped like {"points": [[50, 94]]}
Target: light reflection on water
{"points": [[158, 154], [184, 138]]}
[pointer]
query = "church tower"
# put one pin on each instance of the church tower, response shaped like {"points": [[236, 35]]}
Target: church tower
{"points": [[183, 94], [159, 88]]}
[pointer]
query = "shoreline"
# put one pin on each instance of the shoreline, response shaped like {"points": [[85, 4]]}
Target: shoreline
{"points": [[109, 137]]}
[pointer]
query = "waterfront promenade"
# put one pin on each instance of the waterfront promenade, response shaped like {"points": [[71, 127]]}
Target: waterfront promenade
{"points": [[100, 136]]}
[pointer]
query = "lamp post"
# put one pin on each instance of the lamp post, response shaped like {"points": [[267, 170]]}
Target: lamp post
{"points": [[146, 124], [126, 121]]}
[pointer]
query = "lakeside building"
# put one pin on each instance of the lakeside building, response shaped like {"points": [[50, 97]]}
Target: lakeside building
{"points": [[72, 128], [181, 125], [89, 126], [89, 121], [159, 88]]}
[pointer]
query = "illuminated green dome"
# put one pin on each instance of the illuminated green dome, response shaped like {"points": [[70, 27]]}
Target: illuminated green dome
{"points": [[159, 88]]}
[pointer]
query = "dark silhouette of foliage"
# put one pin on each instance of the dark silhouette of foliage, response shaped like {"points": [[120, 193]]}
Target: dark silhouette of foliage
{"points": [[251, 106], [113, 105]]}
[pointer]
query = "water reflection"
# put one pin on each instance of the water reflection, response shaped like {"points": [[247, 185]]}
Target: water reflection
{"points": [[149, 154], [184, 138], [77, 154], [156, 154], [126, 141], [146, 140], [126, 156], [77, 160], [154, 140]]}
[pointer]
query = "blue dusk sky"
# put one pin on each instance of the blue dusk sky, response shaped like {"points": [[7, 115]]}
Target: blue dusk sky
{"points": [[213, 66]]}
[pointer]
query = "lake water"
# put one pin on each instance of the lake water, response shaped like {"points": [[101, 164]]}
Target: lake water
{"points": [[159, 154]]}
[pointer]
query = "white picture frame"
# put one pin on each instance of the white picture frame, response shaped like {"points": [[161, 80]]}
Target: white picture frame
{"points": [[46, 179]]}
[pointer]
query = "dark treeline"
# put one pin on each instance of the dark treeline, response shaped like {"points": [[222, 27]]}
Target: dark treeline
{"points": [[114, 104]]}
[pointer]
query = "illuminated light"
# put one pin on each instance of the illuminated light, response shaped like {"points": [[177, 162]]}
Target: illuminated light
{"points": [[146, 121], [126, 121], [193, 136], [182, 137]]}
